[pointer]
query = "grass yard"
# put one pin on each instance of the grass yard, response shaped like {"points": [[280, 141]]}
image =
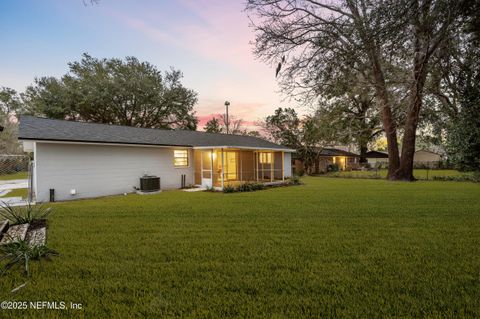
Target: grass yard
{"points": [[332, 247], [18, 192], [421, 174], [18, 175]]}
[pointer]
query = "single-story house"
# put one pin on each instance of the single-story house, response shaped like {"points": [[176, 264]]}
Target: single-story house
{"points": [[427, 158], [83, 160], [376, 158], [330, 156], [421, 158]]}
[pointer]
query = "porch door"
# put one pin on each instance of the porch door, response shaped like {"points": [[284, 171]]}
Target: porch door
{"points": [[206, 168]]}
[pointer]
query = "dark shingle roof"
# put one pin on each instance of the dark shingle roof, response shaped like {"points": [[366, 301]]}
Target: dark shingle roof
{"points": [[328, 151], [36, 128], [376, 154], [336, 152]]}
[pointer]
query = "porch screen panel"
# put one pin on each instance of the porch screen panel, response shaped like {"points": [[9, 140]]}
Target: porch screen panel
{"points": [[207, 164], [217, 167], [247, 161], [197, 157], [277, 166], [265, 162]]}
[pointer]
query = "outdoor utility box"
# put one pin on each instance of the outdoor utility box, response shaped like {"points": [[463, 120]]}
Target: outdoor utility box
{"points": [[149, 183]]}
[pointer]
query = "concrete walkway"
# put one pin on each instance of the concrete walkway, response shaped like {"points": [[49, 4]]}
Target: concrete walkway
{"points": [[14, 184], [7, 186]]}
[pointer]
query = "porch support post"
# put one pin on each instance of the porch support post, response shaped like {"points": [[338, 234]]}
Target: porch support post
{"points": [[211, 166], [256, 165], [283, 165], [201, 167], [241, 165], [272, 154], [222, 170]]}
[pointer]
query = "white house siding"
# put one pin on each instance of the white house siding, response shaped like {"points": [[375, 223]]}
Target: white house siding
{"points": [[425, 156], [287, 160], [100, 170]]}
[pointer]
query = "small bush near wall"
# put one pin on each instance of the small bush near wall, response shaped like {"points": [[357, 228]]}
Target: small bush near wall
{"points": [[229, 189], [294, 180], [333, 168], [251, 186]]}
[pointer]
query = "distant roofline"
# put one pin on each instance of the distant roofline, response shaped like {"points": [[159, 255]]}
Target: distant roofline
{"points": [[428, 151]]}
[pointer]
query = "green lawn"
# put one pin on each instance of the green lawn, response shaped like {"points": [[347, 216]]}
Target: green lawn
{"points": [[332, 247], [421, 174], [18, 192], [18, 175]]}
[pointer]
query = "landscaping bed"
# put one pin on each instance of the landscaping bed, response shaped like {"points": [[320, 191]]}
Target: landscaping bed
{"points": [[23, 236]]}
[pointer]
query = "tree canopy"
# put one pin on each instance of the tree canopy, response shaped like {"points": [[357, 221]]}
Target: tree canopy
{"points": [[10, 105], [308, 135], [115, 91], [386, 46]]}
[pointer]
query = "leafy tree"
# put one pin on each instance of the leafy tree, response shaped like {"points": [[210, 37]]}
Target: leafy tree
{"points": [[354, 118], [308, 135], [390, 42], [456, 59], [213, 126], [463, 135], [283, 127], [10, 103], [218, 125], [10, 106], [115, 91]]}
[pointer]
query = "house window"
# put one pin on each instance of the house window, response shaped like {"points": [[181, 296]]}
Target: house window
{"points": [[180, 158], [265, 158]]}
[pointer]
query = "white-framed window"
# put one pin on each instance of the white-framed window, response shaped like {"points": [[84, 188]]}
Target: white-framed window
{"points": [[180, 158]]}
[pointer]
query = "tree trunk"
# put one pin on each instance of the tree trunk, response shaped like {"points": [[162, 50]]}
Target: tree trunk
{"points": [[363, 151], [387, 120], [380, 89], [420, 64]]}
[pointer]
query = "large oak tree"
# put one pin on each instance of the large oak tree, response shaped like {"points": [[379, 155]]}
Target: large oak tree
{"points": [[114, 91], [390, 43]]}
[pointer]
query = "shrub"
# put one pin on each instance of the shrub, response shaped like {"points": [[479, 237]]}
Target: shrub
{"points": [[294, 180], [24, 214], [333, 168], [245, 187], [229, 189], [475, 178], [210, 189], [20, 253]]}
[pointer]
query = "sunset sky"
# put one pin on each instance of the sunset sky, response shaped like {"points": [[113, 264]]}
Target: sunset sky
{"points": [[209, 40]]}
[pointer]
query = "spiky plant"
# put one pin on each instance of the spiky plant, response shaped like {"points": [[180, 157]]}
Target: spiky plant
{"points": [[24, 214], [20, 253]]}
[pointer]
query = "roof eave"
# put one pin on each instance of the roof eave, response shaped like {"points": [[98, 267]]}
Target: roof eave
{"points": [[247, 148]]}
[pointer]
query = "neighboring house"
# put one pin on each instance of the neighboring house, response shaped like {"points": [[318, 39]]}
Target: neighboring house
{"points": [[330, 156], [427, 158], [82, 160], [421, 158], [376, 158]]}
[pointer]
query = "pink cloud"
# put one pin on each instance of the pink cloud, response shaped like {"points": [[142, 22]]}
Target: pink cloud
{"points": [[218, 32]]}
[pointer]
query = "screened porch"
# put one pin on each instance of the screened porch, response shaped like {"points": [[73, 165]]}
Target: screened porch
{"points": [[219, 167]]}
